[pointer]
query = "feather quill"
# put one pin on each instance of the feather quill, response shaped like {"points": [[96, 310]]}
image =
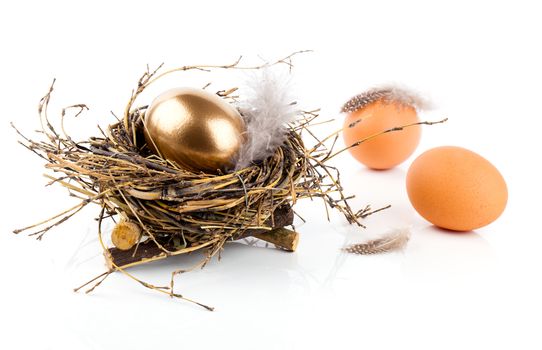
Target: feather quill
{"points": [[267, 109], [394, 240]]}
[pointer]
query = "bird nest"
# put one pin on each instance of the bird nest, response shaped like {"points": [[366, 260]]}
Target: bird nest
{"points": [[177, 210]]}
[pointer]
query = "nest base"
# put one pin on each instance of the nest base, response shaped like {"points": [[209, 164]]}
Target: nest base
{"points": [[149, 251]]}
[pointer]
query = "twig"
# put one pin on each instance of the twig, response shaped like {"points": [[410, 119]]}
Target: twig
{"points": [[394, 129]]}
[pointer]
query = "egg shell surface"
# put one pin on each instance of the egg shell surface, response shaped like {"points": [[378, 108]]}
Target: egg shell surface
{"points": [[387, 150], [456, 189]]}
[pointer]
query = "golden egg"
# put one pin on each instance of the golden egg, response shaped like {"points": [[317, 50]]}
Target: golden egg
{"points": [[195, 129]]}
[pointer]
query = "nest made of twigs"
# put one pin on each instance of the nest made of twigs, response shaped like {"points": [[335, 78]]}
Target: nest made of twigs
{"points": [[178, 210]]}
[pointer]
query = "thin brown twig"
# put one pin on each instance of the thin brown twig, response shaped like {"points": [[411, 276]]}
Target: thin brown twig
{"points": [[178, 210], [394, 129]]}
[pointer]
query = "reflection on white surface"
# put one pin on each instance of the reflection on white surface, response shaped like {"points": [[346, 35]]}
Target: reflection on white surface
{"points": [[445, 291], [436, 254], [86, 250]]}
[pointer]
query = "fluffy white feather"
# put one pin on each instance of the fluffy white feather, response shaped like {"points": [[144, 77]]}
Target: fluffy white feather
{"points": [[267, 109]]}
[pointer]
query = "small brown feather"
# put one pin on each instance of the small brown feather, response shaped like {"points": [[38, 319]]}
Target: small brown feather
{"points": [[395, 240], [387, 94]]}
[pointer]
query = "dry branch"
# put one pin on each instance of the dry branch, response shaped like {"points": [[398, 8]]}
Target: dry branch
{"points": [[180, 211]]}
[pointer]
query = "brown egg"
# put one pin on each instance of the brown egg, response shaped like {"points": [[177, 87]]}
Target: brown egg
{"points": [[456, 189], [195, 129], [387, 150]]}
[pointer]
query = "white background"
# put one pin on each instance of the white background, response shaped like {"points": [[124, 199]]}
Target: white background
{"points": [[479, 62]]}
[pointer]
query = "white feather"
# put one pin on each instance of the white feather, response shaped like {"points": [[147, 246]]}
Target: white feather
{"points": [[267, 109]]}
